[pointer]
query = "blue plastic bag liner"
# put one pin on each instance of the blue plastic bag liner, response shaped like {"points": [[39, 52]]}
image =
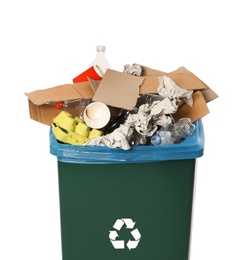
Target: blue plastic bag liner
{"points": [[192, 147]]}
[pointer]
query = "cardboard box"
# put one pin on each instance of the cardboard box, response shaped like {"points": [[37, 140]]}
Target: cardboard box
{"points": [[44, 113], [121, 90]]}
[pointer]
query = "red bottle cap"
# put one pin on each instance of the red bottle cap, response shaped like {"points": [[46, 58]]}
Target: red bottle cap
{"points": [[59, 105]]}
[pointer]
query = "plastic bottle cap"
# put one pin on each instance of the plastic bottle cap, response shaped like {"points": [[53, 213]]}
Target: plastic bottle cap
{"points": [[59, 105], [101, 48], [156, 139]]}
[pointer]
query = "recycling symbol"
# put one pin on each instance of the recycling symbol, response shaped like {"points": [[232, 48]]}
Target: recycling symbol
{"points": [[120, 244]]}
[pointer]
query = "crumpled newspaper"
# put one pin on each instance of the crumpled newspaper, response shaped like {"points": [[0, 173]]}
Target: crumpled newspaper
{"points": [[118, 138], [141, 122], [134, 70], [168, 88], [149, 116]]}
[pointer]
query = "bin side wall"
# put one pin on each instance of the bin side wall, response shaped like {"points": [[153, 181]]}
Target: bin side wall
{"points": [[158, 197]]}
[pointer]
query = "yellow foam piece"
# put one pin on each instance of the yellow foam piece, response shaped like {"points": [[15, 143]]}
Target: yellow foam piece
{"points": [[67, 123], [94, 133], [60, 117], [72, 130], [59, 134], [76, 139], [82, 129], [78, 120]]}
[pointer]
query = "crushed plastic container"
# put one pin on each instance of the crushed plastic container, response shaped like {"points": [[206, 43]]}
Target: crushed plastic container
{"points": [[135, 204]]}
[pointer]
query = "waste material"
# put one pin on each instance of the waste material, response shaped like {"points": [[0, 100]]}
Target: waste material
{"points": [[173, 132], [94, 72], [76, 106], [72, 130], [141, 123], [101, 60], [97, 68], [96, 115], [134, 70], [152, 107], [168, 89]]}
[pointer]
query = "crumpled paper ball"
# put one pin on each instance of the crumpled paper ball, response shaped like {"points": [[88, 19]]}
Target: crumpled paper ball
{"points": [[134, 70], [168, 88]]}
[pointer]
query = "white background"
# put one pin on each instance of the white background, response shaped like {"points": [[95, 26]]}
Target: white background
{"points": [[47, 43]]}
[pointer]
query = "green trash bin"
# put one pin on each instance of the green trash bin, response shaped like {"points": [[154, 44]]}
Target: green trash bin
{"points": [[125, 205]]}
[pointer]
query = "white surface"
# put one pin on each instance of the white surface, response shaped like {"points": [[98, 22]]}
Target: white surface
{"points": [[47, 43]]}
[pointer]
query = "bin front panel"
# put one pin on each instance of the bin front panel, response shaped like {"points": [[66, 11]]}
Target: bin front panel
{"points": [[137, 211]]}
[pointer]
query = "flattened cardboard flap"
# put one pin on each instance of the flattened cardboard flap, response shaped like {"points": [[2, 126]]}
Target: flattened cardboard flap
{"points": [[183, 80], [207, 93], [58, 93], [118, 89], [84, 89], [61, 93], [181, 76], [197, 111]]}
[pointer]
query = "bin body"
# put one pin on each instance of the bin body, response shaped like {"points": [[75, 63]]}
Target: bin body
{"points": [[127, 209]]}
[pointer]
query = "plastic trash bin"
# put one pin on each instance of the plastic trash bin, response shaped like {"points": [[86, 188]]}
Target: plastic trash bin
{"points": [[135, 204]]}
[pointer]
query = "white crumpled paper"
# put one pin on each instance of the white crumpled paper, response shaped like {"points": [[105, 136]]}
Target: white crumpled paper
{"points": [[118, 138], [134, 70], [168, 88]]}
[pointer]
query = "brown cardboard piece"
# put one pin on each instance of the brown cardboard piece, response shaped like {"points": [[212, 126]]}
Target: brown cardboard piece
{"points": [[183, 80], [61, 93], [197, 111], [181, 76], [118, 89], [44, 113]]}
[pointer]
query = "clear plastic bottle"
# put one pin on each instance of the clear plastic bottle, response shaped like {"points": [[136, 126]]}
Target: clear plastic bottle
{"points": [[76, 106], [161, 138], [100, 62], [184, 127], [173, 133]]}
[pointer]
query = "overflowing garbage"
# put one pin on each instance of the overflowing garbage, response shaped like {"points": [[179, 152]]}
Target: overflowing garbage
{"points": [[137, 106]]}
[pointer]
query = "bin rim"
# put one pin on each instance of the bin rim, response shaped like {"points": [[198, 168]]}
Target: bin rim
{"points": [[191, 148]]}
